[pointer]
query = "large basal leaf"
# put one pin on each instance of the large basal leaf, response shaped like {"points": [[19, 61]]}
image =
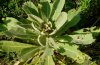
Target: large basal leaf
{"points": [[93, 30], [60, 23], [46, 58], [64, 39], [45, 0], [52, 42], [73, 17], [72, 52], [72, 20], [33, 18], [48, 61], [30, 8], [11, 46], [72, 13], [20, 33], [15, 30], [82, 39], [63, 23], [11, 22], [35, 60], [56, 9], [82, 31], [62, 19], [28, 53], [45, 10]]}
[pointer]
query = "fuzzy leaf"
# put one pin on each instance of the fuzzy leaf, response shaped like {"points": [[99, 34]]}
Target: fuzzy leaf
{"points": [[57, 8], [72, 51], [45, 0], [93, 30], [15, 30], [73, 17], [46, 58], [11, 46], [45, 11], [60, 23], [28, 53], [11, 22], [30, 8], [62, 19], [72, 13], [64, 39], [33, 18], [48, 61], [73, 22], [82, 39]]}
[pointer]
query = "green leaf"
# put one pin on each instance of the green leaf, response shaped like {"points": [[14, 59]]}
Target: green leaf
{"points": [[52, 42], [81, 31], [56, 9], [60, 23], [46, 58], [72, 52], [73, 22], [12, 46], [48, 61], [30, 8], [95, 31], [28, 53], [20, 33], [92, 30], [35, 60], [45, 11], [32, 17], [72, 13], [62, 19], [82, 39], [11, 22], [15, 30], [64, 39], [45, 0], [73, 17]]}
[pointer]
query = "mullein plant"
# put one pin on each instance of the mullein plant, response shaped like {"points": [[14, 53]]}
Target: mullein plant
{"points": [[43, 32]]}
